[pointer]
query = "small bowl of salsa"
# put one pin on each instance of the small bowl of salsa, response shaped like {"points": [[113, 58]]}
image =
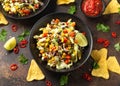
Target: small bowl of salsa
{"points": [[93, 8]]}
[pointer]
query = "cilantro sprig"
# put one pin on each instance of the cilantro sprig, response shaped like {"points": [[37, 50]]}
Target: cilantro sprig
{"points": [[119, 10], [117, 46], [23, 59], [72, 9], [3, 35], [103, 27], [64, 80], [23, 35], [95, 65]]}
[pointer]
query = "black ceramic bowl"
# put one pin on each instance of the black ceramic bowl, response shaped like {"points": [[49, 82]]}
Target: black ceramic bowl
{"points": [[95, 16], [45, 2], [80, 25]]}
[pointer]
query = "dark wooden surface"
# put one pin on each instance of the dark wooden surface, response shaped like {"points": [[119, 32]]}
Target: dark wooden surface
{"points": [[18, 77]]}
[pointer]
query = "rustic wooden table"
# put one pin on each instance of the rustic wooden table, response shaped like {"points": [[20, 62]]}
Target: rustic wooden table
{"points": [[18, 77]]}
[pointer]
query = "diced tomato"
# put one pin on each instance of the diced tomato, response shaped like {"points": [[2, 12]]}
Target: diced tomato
{"points": [[45, 34], [72, 34], [84, 33], [68, 56], [67, 61], [26, 11], [65, 31], [76, 41], [36, 6], [57, 21], [65, 39]]}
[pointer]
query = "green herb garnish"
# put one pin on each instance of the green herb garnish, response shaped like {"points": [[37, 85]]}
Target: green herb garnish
{"points": [[64, 80], [72, 9], [23, 59], [102, 27], [95, 65], [23, 35], [119, 10], [3, 35], [117, 46]]}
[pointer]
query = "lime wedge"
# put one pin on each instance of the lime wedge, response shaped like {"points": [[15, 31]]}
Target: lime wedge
{"points": [[82, 40], [10, 44]]}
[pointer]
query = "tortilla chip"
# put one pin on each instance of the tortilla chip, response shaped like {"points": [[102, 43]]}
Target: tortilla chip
{"points": [[60, 2], [102, 71], [34, 72], [98, 54], [112, 7], [3, 19], [113, 64]]}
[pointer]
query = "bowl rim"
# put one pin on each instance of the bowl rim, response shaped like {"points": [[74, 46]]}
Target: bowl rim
{"points": [[25, 17], [90, 34]]}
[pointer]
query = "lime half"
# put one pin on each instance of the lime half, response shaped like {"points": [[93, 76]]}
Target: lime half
{"points": [[82, 40], [10, 44]]}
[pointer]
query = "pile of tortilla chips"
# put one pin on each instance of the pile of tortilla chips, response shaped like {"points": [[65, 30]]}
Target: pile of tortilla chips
{"points": [[34, 72], [111, 64], [3, 19], [60, 2], [112, 7]]}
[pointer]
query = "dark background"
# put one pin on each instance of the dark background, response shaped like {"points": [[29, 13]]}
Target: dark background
{"points": [[18, 77]]}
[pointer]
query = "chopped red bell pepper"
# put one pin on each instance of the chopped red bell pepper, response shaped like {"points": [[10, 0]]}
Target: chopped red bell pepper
{"points": [[48, 83], [100, 40], [13, 67], [16, 50], [14, 27], [87, 76], [117, 22], [106, 43], [114, 35], [23, 43]]}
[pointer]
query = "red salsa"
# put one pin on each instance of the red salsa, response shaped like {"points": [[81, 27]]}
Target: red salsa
{"points": [[92, 7]]}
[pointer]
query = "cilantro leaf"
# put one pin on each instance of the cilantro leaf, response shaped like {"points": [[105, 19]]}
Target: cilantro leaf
{"points": [[23, 59], [3, 35], [102, 27], [117, 46], [95, 65], [23, 35], [119, 10], [63, 80], [72, 9]]}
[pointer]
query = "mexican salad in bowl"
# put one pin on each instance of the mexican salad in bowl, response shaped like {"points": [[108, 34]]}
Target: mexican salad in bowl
{"points": [[21, 7], [60, 44]]}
